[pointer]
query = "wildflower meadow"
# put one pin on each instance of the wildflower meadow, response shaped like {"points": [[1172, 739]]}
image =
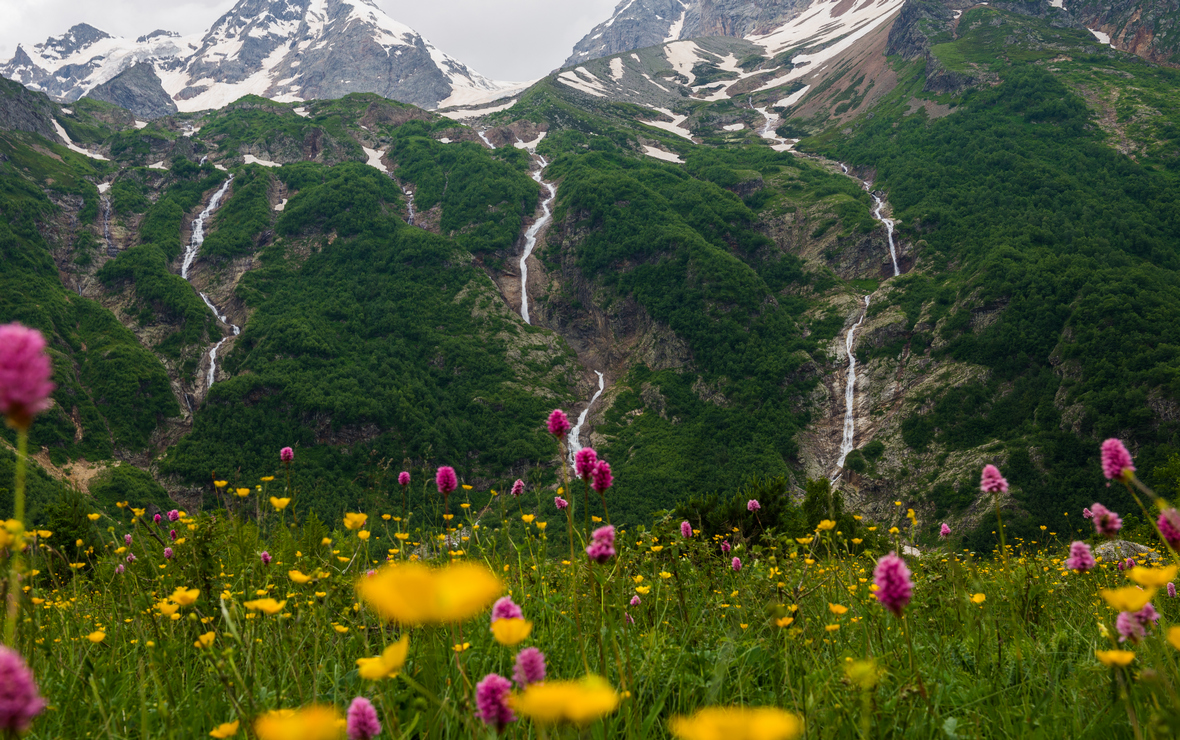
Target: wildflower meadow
{"points": [[253, 620]]}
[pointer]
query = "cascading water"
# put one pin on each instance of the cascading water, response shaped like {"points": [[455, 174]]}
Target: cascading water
{"points": [[106, 227], [485, 140], [409, 205], [847, 443], [576, 433], [530, 236], [888, 228], [190, 255]]}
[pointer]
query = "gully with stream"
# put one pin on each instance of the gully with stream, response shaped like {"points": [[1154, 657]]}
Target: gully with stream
{"points": [[190, 255], [530, 236]]}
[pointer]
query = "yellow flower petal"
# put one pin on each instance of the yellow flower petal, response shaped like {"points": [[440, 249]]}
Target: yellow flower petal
{"points": [[566, 702], [266, 606], [279, 503], [97, 637], [228, 729], [1111, 658], [1127, 598], [185, 596], [738, 723], [511, 632], [414, 594], [1153, 577], [309, 723]]}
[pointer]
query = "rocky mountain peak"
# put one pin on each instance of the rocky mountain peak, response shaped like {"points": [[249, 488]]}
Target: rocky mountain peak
{"points": [[72, 41]]}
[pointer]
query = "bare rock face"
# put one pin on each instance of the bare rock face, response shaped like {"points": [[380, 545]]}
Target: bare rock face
{"points": [[25, 110], [1147, 28], [139, 90]]}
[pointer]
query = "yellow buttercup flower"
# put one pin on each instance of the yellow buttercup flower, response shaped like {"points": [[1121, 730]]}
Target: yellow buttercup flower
{"points": [[461, 646], [784, 622], [355, 521], [168, 609], [298, 577], [386, 665], [403, 536], [218, 483], [665, 575], [1153, 577], [832, 627], [837, 609], [326, 541], [566, 702], [97, 636], [363, 534], [340, 628], [279, 503], [737, 723], [1111, 658], [527, 518], [228, 729], [804, 540], [1174, 637], [267, 478], [511, 632], [1127, 598], [266, 606], [205, 640], [93, 517], [657, 548], [643, 590], [309, 723], [825, 525], [637, 579], [978, 598], [413, 594], [185, 596]]}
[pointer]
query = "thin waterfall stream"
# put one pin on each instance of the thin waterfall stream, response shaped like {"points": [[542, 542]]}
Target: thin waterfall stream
{"points": [[190, 255], [847, 443], [575, 435], [530, 236]]}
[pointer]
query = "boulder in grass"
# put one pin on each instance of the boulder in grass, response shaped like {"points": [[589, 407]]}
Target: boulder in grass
{"points": [[1116, 550]]}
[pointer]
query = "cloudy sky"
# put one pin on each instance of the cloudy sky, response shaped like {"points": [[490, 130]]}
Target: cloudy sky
{"points": [[506, 40]]}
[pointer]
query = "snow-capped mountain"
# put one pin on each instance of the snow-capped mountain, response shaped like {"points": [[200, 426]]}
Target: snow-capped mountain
{"points": [[637, 24], [286, 50]]}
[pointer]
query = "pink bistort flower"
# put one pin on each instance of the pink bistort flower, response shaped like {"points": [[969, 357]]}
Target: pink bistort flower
{"points": [[1171, 590], [362, 720], [1116, 461], [491, 696], [584, 461], [736, 564], [991, 481], [1080, 558], [167, 553], [945, 531], [894, 587], [602, 546], [173, 515], [753, 505], [529, 668], [601, 479], [265, 557], [559, 423], [286, 454], [725, 547], [446, 480], [19, 700], [1087, 514], [635, 600], [560, 503], [685, 530], [1129, 628], [1169, 526], [1106, 522], [25, 370], [506, 608], [403, 478], [517, 487]]}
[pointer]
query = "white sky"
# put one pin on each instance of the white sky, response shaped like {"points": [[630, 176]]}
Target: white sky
{"points": [[505, 40]]}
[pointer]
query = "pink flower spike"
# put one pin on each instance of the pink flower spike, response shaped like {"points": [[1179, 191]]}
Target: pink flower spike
{"points": [[1172, 590], [753, 505], [167, 553], [1116, 461], [601, 479], [635, 600], [265, 557], [518, 487], [506, 608], [286, 454], [736, 564], [584, 461], [362, 720], [894, 587], [491, 696], [559, 423], [1106, 522], [1080, 558], [1169, 526], [403, 478], [1129, 627], [685, 530], [173, 515], [25, 370], [725, 547], [560, 503], [529, 668], [19, 702], [446, 479], [1087, 514], [991, 481], [945, 531]]}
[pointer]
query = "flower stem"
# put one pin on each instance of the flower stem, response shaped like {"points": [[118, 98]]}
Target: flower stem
{"points": [[18, 513]]}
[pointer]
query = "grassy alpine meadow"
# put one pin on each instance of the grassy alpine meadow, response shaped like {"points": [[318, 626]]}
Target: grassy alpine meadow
{"points": [[252, 620]]}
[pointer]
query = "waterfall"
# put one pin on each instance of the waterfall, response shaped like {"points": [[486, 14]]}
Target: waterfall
{"points": [[106, 227], [888, 228], [847, 443], [190, 255], [576, 432], [530, 237], [485, 140], [409, 205]]}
